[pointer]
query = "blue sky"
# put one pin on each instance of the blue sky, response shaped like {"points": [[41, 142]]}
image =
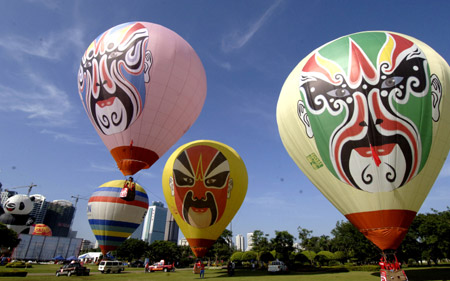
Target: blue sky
{"points": [[248, 49]]}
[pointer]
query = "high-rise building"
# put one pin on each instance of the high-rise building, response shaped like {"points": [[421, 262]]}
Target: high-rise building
{"points": [[86, 245], [158, 224], [40, 208], [183, 242], [6, 194], [240, 242], [59, 217], [249, 241], [172, 229], [154, 224]]}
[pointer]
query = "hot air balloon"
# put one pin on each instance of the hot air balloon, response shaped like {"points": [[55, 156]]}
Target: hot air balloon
{"points": [[362, 117], [142, 86], [42, 229], [113, 219], [204, 183]]}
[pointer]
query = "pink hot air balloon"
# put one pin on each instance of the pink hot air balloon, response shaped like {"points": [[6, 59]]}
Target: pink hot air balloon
{"points": [[142, 86]]}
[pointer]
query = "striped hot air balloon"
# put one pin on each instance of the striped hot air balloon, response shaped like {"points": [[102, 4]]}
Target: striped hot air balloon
{"points": [[113, 219]]}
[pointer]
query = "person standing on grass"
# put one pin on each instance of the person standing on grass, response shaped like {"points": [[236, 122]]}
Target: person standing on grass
{"points": [[202, 270]]}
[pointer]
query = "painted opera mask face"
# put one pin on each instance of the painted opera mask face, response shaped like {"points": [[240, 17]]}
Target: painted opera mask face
{"points": [[369, 100], [201, 185], [112, 77]]}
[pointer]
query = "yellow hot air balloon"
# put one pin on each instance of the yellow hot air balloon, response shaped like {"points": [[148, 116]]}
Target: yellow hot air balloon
{"points": [[204, 183], [366, 118]]}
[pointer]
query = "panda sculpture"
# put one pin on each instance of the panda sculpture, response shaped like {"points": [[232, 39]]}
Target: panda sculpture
{"points": [[16, 214]]}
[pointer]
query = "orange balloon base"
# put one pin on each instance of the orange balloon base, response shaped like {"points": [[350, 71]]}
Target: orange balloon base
{"points": [[385, 228], [200, 246], [131, 159], [105, 249]]}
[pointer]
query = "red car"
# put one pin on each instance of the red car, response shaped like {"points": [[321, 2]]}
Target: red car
{"points": [[160, 266]]}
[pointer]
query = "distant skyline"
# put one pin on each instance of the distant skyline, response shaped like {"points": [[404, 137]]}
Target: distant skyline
{"points": [[248, 48]]}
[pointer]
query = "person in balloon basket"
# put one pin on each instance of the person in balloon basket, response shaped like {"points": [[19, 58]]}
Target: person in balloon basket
{"points": [[128, 191]]}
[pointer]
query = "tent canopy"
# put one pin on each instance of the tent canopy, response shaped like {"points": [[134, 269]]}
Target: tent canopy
{"points": [[58, 258]]}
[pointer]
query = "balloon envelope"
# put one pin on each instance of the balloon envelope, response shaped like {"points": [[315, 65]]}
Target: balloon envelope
{"points": [[366, 118], [204, 183], [142, 86], [113, 219], [42, 229]]}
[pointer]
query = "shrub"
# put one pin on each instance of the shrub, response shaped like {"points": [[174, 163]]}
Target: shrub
{"points": [[363, 267], [18, 264], [249, 255], [13, 274], [236, 257]]}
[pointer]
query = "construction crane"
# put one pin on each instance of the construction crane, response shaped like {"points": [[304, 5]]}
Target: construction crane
{"points": [[78, 197], [28, 186]]}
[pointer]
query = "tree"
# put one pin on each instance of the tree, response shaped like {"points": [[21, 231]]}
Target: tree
{"points": [[310, 255], [324, 257], [432, 230], [265, 257], [249, 256], [9, 238], [236, 257], [187, 257], [260, 242], [163, 250], [132, 249], [283, 243], [353, 243], [303, 235], [222, 249]]}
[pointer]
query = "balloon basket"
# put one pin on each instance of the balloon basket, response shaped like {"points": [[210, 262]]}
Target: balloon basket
{"points": [[391, 268]]}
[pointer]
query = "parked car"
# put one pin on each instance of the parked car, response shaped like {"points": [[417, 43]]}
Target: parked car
{"points": [[110, 266], [74, 268], [160, 266], [277, 266], [137, 264]]}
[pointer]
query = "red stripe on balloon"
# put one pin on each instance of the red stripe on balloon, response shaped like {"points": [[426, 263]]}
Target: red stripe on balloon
{"points": [[118, 200]]}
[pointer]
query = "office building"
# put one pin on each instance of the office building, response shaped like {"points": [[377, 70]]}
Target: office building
{"points": [[40, 208], [45, 248], [59, 217], [86, 245], [154, 225], [183, 242], [6, 194], [249, 241], [240, 243], [172, 229]]}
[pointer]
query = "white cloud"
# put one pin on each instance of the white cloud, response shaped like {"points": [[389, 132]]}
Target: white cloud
{"points": [[103, 168], [69, 138], [270, 200], [50, 4], [52, 46], [238, 38], [222, 64], [46, 105]]}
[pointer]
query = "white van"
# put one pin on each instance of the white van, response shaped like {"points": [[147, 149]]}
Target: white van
{"points": [[110, 266]]}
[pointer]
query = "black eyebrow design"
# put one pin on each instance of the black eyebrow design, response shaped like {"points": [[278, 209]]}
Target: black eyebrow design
{"points": [[218, 159], [185, 161]]}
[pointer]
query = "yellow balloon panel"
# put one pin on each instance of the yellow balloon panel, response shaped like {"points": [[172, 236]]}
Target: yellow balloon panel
{"points": [[204, 183], [366, 118]]}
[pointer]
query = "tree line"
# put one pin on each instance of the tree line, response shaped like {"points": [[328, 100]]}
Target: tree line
{"points": [[428, 240]]}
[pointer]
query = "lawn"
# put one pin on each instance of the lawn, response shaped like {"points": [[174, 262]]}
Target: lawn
{"points": [[46, 273]]}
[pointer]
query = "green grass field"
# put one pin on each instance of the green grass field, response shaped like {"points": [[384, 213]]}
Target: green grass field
{"points": [[46, 273]]}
